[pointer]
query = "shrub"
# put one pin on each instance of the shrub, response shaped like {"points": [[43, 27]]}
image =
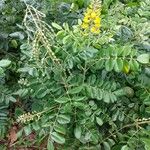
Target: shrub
{"points": [[87, 90]]}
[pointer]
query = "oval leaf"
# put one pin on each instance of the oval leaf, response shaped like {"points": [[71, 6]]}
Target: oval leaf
{"points": [[75, 90], [63, 119], [144, 58], [60, 129], [99, 121], [5, 63], [50, 145], [77, 132], [57, 138], [106, 146], [62, 100], [57, 26], [125, 147]]}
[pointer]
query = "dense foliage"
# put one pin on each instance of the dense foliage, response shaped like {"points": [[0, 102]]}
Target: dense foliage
{"points": [[75, 74]]}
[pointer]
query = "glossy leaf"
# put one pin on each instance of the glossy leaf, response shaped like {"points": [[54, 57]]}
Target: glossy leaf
{"points": [[77, 132], [143, 58], [63, 119], [57, 26], [5, 63], [57, 138], [99, 121], [50, 145], [62, 100]]}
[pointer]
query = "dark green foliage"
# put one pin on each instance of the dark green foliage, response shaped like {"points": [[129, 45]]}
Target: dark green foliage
{"points": [[77, 90]]}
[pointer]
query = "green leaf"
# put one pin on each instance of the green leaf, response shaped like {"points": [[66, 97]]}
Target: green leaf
{"points": [[99, 121], [109, 64], [60, 35], [148, 109], [118, 65], [79, 105], [19, 35], [41, 92], [60, 129], [66, 39], [99, 64], [134, 65], [125, 147], [57, 138], [144, 58], [83, 98], [36, 126], [77, 132], [94, 137], [126, 51], [19, 133], [121, 116], [63, 119], [12, 99], [75, 90], [14, 43], [1, 71], [146, 141], [106, 146], [5, 63], [57, 26], [106, 97], [50, 145], [89, 52], [62, 100], [111, 142], [21, 92], [27, 130], [113, 97]]}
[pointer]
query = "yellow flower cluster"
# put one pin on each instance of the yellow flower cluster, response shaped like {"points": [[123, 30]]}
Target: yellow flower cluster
{"points": [[92, 20]]}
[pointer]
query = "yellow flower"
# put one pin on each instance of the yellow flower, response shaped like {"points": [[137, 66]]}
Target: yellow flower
{"points": [[84, 25], [89, 11], [97, 20], [97, 25], [86, 20], [93, 15], [92, 20], [95, 30]]}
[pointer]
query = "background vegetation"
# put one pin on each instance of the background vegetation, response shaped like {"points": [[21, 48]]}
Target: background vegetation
{"points": [[63, 89]]}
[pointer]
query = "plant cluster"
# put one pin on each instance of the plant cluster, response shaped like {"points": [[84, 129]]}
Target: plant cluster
{"points": [[86, 83]]}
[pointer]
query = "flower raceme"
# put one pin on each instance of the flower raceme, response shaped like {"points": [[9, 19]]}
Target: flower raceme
{"points": [[92, 20]]}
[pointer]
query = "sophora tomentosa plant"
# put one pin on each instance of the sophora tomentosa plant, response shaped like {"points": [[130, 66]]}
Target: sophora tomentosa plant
{"points": [[87, 83]]}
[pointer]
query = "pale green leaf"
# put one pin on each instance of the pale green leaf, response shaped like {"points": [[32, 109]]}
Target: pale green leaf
{"points": [[1, 71], [106, 146], [75, 90], [62, 100], [109, 64], [99, 121], [50, 145], [118, 65], [57, 26], [5, 63], [144, 58], [125, 147], [63, 119], [60, 129], [146, 141], [57, 138], [77, 132], [27, 130]]}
